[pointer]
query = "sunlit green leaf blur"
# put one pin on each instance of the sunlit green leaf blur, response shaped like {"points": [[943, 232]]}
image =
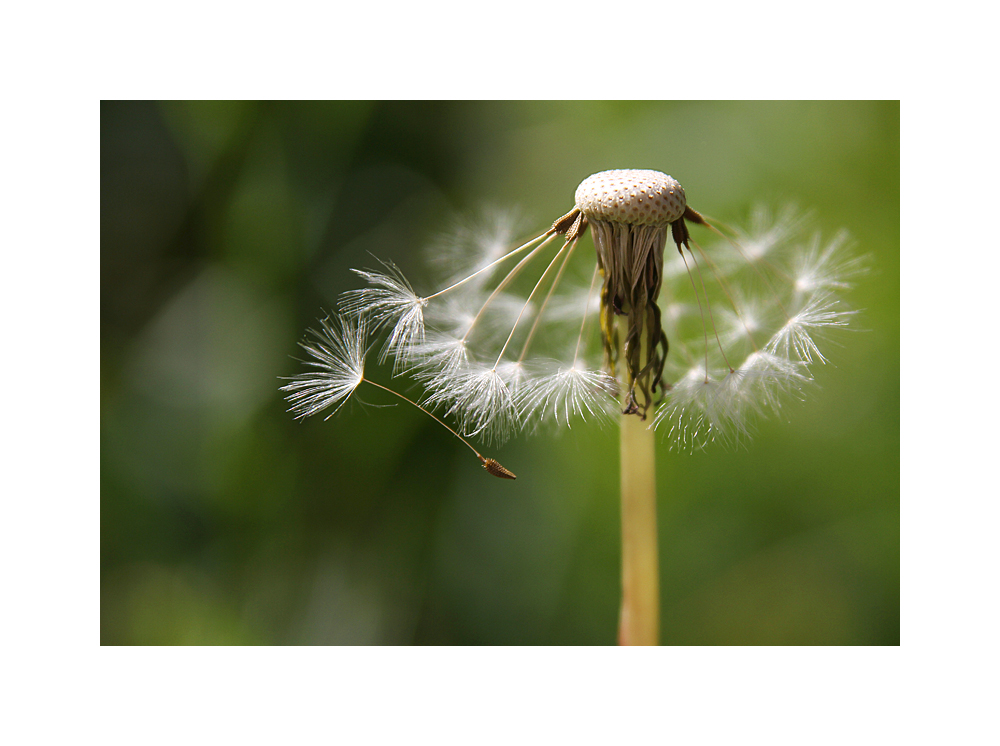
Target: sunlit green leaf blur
{"points": [[228, 228]]}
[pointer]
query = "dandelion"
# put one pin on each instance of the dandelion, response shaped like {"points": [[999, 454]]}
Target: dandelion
{"points": [[694, 343]]}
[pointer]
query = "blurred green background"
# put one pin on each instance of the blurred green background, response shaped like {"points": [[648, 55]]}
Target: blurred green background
{"points": [[227, 227]]}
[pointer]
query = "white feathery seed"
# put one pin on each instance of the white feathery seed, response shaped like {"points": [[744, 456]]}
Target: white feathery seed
{"points": [[479, 398], [439, 354], [795, 339], [571, 392], [389, 300], [338, 366], [767, 232], [826, 267]]}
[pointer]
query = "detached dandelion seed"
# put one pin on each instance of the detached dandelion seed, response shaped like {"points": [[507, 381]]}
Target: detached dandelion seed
{"points": [[338, 350], [693, 343]]}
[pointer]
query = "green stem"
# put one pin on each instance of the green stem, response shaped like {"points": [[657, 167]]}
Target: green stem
{"points": [[639, 623]]}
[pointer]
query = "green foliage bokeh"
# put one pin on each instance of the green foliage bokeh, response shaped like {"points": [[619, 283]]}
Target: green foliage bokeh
{"points": [[227, 227]]}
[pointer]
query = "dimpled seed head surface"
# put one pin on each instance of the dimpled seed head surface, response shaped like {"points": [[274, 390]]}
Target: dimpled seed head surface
{"points": [[633, 196]]}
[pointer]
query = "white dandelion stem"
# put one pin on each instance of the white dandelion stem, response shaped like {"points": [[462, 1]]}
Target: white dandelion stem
{"points": [[639, 623], [528, 301]]}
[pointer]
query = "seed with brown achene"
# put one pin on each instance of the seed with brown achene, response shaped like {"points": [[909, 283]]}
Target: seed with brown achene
{"points": [[495, 468]]}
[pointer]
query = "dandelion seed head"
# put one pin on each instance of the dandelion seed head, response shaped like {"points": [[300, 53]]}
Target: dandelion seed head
{"points": [[709, 338], [488, 407], [629, 213], [337, 351]]}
